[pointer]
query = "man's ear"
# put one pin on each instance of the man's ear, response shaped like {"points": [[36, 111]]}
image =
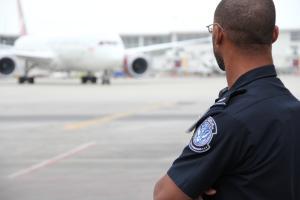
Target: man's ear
{"points": [[275, 34], [218, 36]]}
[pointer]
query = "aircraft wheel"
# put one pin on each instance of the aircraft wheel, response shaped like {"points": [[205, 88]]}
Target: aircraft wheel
{"points": [[22, 80], [83, 80], [30, 80], [93, 79]]}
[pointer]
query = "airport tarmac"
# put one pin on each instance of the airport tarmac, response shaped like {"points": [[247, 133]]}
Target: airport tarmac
{"points": [[65, 141]]}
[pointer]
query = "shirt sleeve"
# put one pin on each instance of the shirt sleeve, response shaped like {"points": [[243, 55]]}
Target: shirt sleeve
{"points": [[212, 152]]}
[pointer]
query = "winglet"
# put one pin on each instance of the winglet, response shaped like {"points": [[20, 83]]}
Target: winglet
{"points": [[23, 29]]}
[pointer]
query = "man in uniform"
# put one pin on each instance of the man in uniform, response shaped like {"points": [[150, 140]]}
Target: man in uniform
{"points": [[247, 146]]}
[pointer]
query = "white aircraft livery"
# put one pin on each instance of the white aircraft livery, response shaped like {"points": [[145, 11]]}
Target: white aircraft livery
{"points": [[89, 54]]}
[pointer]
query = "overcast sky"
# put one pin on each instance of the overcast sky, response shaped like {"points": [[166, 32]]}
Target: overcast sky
{"points": [[123, 16]]}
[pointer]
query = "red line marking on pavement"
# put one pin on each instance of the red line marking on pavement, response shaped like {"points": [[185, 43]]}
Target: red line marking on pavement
{"points": [[51, 161]]}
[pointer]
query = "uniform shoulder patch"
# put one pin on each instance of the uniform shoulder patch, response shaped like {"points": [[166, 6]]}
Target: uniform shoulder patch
{"points": [[203, 136]]}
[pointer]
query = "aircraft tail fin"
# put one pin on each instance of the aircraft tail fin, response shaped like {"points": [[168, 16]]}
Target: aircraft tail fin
{"points": [[23, 29]]}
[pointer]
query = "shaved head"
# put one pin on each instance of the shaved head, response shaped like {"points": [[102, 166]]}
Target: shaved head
{"points": [[247, 23]]}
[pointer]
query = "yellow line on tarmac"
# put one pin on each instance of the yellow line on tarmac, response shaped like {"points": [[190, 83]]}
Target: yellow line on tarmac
{"points": [[113, 117]]}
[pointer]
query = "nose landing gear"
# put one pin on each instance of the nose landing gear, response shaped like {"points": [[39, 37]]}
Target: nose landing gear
{"points": [[26, 78]]}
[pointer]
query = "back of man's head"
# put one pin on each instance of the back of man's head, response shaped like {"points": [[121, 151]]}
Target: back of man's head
{"points": [[247, 23]]}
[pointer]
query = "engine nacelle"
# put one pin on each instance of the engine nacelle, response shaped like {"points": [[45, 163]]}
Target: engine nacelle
{"points": [[136, 66], [7, 65]]}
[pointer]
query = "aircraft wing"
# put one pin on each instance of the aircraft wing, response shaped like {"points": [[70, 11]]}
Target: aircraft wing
{"points": [[164, 46], [35, 56]]}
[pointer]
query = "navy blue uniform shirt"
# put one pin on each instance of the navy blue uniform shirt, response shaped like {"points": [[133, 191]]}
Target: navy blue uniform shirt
{"points": [[247, 146]]}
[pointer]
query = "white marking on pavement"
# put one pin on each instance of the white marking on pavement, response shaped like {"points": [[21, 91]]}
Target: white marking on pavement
{"points": [[51, 161]]}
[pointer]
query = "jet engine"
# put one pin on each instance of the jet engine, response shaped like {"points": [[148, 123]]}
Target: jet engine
{"points": [[7, 65], [136, 66]]}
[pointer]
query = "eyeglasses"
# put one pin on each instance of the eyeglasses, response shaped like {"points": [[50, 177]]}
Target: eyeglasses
{"points": [[210, 27]]}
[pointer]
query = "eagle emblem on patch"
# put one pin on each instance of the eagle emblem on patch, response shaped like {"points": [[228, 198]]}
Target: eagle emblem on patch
{"points": [[203, 136]]}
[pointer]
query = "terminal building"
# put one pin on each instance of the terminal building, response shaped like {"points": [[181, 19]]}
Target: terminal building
{"points": [[286, 50], [135, 40]]}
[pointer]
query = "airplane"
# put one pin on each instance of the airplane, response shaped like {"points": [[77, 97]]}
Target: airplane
{"points": [[90, 54]]}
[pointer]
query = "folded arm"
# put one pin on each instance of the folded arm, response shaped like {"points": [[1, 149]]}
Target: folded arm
{"points": [[166, 189]]}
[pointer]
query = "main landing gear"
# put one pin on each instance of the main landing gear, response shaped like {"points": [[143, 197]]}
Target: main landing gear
{"points": [[90, 77]]}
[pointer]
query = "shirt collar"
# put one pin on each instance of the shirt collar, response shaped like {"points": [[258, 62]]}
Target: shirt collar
{"points": [[253, 75]]}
